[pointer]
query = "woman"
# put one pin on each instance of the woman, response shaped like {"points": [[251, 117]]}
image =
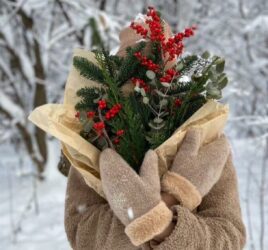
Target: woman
{"points": [[197, 207]]}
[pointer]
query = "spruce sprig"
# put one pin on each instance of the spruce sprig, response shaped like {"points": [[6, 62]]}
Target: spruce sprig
{"points": [[88, 69]]}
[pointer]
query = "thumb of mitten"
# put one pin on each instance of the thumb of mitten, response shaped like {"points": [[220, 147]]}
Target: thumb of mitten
{"points": [[149, 170], [192, 141]]}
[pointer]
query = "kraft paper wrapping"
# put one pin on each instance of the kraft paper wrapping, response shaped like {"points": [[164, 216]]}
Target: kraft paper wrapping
{"points": [[59, 121]]}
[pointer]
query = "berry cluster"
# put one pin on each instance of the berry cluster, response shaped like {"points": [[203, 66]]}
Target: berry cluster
{"points": [[99, 126], [148, 63], [102, 104], [188, 32], [178, 102], [90, 114], [173, 46], [140, 83], [155, 26], [139, 29], [113, 111], [169, 75], [116, 141], [119, 133]]}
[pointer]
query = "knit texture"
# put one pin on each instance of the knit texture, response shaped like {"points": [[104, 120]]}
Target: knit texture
{"points": [[135, 199], [196, 168], [217, 224]]}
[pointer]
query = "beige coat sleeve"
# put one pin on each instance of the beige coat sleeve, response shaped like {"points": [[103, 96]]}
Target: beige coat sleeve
{"points": [[217, 224], [90, 224]]}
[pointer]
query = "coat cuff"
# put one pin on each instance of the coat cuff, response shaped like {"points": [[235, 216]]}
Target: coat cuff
{"points": [[149, 225], [182, 189]]}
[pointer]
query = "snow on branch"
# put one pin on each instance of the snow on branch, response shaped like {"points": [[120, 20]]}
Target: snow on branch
{"points": [[12, 109]]}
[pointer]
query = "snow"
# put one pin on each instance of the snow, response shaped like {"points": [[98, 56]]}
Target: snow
{"points": [[43, 230], [248, 156], [258, 23], [27, 66], [6, 69], [7, 104], [130, 213], [140, 18], [184, 79]]}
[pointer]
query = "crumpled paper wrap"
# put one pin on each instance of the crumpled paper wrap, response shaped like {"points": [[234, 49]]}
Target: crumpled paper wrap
{"points": [[59, 121]]}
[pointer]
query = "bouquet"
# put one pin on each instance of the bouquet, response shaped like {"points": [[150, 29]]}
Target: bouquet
{"points": [[145, 97]]}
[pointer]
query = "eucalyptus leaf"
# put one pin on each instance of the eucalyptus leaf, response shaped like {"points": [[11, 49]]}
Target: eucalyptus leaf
{"points": [[163, 114], [88, 125], [214, 58], [214, 93], [180, 66], [163, 102], [196, 77], [165, 84], [211, 85], [83, 116], [143, 93], [156, 127], [137, 89], [223, 81], [150, 74], [160, 93], [220, 63], [153, 83], [145, 100], [212, 74], [158, 120], [205, 55]]}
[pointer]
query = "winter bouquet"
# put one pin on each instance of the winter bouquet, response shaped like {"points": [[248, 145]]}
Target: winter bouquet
{"points": [[144, 97]]}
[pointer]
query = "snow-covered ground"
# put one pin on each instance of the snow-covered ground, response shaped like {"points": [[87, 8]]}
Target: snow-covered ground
{"points": [[31, 220], [21, 227]]}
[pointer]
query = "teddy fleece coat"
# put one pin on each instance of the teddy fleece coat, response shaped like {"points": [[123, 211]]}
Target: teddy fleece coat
{"points": [[216, 224]]}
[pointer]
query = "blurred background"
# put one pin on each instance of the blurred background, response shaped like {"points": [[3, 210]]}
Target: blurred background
{"points": [[37, 38]]}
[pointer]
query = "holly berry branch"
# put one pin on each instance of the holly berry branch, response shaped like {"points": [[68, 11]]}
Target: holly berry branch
{"points": [[161, 98]]}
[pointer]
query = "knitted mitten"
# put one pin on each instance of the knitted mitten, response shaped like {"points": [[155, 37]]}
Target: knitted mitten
{"points": [[135, 199], [195, 168]]}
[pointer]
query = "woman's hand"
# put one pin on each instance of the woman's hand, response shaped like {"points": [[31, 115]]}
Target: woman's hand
{"points": [[195, 168], [135, 199]]}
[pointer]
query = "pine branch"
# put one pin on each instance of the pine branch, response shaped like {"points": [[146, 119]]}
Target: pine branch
{"points": [[88, 69], [88, 98], [133, 144], [95, 37], [130, 64], [156, 139]]}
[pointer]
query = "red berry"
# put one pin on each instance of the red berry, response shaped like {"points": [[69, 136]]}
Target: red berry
{"points": [[99, 126], [178, 102], [102, 104], [90, 114], [116, 141], [120, 132]]}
